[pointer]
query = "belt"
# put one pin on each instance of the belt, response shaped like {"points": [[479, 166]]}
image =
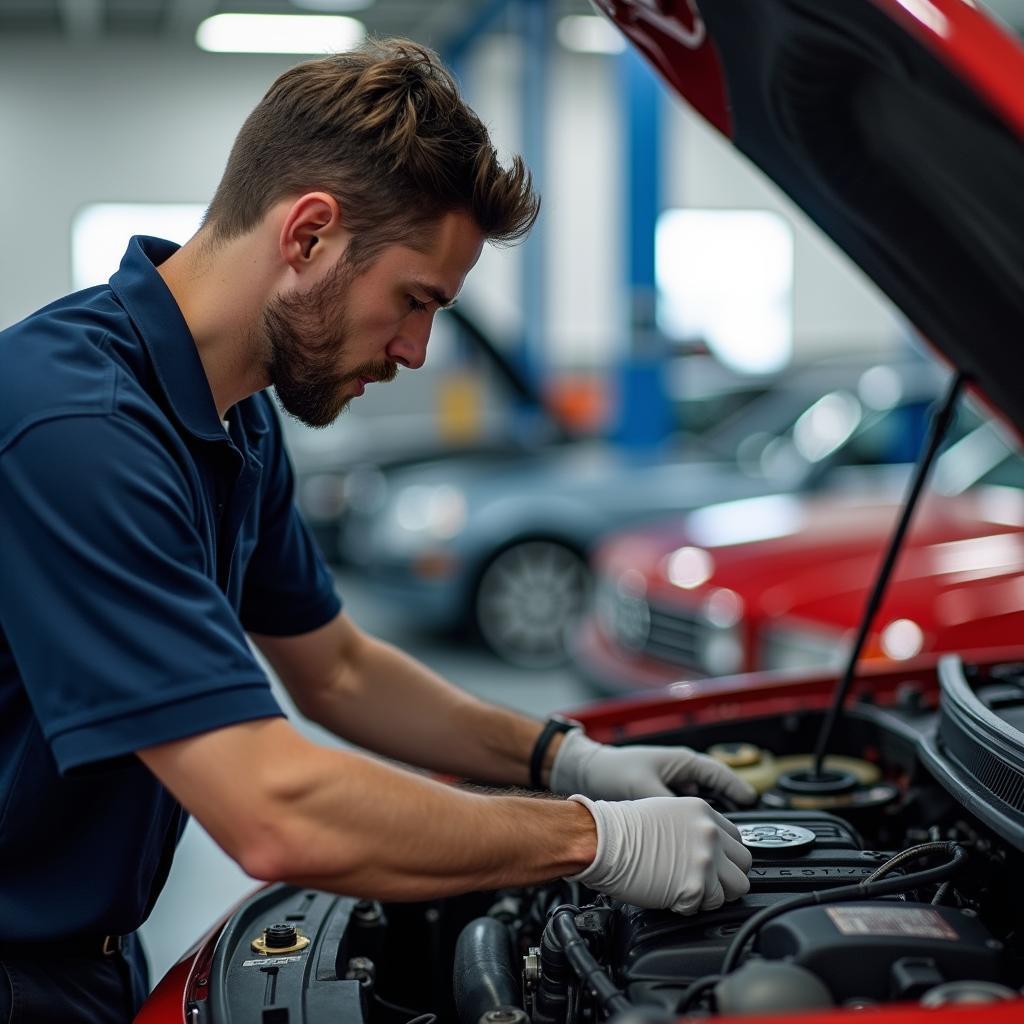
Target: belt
{"points": [[81, 946]]}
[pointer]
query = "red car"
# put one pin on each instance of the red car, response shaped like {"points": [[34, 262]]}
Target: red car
{"points": [[780, 582], [888, 843]]}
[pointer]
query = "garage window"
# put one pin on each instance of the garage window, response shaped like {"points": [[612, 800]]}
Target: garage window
{"points": [[100, 233]]}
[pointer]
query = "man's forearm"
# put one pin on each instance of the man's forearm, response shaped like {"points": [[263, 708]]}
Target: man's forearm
{"points": [[348, 823], [394, 705], [357, 826]]}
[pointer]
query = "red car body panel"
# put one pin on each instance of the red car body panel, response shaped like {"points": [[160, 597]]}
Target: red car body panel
{"points": [[168, 1001], [1000, 1013], [673, 38], [960, 576]]}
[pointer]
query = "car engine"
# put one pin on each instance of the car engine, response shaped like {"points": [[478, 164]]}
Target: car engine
{"points": [[900, 883]]}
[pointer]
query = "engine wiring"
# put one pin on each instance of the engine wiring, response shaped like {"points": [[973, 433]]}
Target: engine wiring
{"points": [[870, 888], [416, 1017], [910, 854], [940, 896]]}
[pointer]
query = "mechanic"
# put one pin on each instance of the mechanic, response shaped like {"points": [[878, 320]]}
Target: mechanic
{"points": [[149, 532]]}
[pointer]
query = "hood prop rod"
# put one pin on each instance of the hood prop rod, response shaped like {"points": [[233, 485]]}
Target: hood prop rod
{"points": [[941, 419]]}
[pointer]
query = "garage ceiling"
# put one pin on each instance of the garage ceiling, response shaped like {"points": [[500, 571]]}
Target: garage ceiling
{"points": [[431, 21]]}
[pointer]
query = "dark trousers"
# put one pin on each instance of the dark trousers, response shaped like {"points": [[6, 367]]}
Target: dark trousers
{"points": [[69, 990]]}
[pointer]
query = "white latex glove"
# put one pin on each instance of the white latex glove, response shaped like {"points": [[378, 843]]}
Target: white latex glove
{"points": [[631, 773], [673, 853]]}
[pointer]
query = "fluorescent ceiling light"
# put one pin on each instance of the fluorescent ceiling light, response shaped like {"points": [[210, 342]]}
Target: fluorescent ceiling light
{"points": [[332, 6], [589, 33], [279, 33]]}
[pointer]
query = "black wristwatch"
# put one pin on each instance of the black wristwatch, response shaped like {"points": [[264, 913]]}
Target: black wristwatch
{"points": [[552, 727]]}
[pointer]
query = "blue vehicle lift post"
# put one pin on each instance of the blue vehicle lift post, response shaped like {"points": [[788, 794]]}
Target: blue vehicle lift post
{"points": [[643, 410], [532, 21], [535, 30]]}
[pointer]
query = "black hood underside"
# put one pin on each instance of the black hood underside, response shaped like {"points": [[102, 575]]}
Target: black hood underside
{"points": [[897, 160]]}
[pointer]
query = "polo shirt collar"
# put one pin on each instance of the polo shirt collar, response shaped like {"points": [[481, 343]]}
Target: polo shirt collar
{"points": [[166, 335]]}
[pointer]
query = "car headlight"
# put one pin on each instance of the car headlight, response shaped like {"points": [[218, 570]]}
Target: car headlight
{"points": [[720, 649], [689, 567], [902, 639], [426, 512], [622, 609], [789, 648]]}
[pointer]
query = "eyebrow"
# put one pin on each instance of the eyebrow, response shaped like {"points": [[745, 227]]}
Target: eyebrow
{"points": [[443, 301]]}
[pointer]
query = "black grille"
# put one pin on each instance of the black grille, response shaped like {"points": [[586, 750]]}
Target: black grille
{"points": [[994, 774], [675, 636]]}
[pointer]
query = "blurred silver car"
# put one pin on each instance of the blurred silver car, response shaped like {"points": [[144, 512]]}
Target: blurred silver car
{"points": [[405, 422], [499, 544]]}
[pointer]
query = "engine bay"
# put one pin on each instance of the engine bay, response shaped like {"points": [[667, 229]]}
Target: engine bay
{"points": [[898, 886]]}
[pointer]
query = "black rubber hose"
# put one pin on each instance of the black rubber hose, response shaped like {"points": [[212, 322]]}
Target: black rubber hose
{"points": [[695, 990], [485, 977], [849, 893], [589, 971]]}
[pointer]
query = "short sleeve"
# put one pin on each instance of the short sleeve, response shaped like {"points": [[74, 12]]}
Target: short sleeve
{"points": [[288, 587], [119, 631]]}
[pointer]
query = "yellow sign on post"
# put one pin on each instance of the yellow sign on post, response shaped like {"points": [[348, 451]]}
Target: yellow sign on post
{"points": [[460, 407]]}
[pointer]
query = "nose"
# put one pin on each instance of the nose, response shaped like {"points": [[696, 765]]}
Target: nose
{"points": [[409, 347]]}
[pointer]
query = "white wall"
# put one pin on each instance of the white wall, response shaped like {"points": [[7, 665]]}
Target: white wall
{"points": [[579, 184], [587, 310], [113, 122], [491, 82]]}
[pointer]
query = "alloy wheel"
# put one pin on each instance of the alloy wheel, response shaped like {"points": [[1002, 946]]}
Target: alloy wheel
{"points": [[528, 599]]}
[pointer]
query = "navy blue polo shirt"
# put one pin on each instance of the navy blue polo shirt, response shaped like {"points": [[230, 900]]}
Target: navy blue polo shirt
{"points": [[139, 541]]}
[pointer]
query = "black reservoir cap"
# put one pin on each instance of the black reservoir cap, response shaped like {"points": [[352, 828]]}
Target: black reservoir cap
{"points": [[280, 936]]}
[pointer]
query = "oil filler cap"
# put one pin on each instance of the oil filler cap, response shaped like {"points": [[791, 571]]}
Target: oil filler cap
{"points": [[279, 938], [775, 835]]}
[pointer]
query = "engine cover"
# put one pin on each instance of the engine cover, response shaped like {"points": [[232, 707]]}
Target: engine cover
{"points": [[885, 949], [658, 953], [795, 851]]}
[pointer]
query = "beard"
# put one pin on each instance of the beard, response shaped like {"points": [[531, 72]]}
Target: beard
{"points": [[305, 335]]}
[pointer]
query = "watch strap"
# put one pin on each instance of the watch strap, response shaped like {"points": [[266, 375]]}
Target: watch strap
{"points": [[554, 726]]}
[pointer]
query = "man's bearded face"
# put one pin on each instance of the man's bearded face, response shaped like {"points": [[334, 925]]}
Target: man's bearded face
{"points": [[307, 336]]}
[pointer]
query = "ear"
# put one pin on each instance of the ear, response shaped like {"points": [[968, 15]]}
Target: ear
{"points": [[312, 231]]}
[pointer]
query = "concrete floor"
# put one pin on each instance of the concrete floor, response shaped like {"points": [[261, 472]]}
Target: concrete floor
{"points": [[204, 883]]}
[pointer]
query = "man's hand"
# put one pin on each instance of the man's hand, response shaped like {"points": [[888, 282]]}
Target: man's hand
{"points": [[631, 773], [671, 853]]}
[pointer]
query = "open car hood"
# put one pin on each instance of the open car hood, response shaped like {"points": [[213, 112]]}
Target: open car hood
{"points": [[897, 126]]}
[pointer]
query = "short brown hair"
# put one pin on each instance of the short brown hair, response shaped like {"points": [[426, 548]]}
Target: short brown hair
{"points": [[384, 130]]}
